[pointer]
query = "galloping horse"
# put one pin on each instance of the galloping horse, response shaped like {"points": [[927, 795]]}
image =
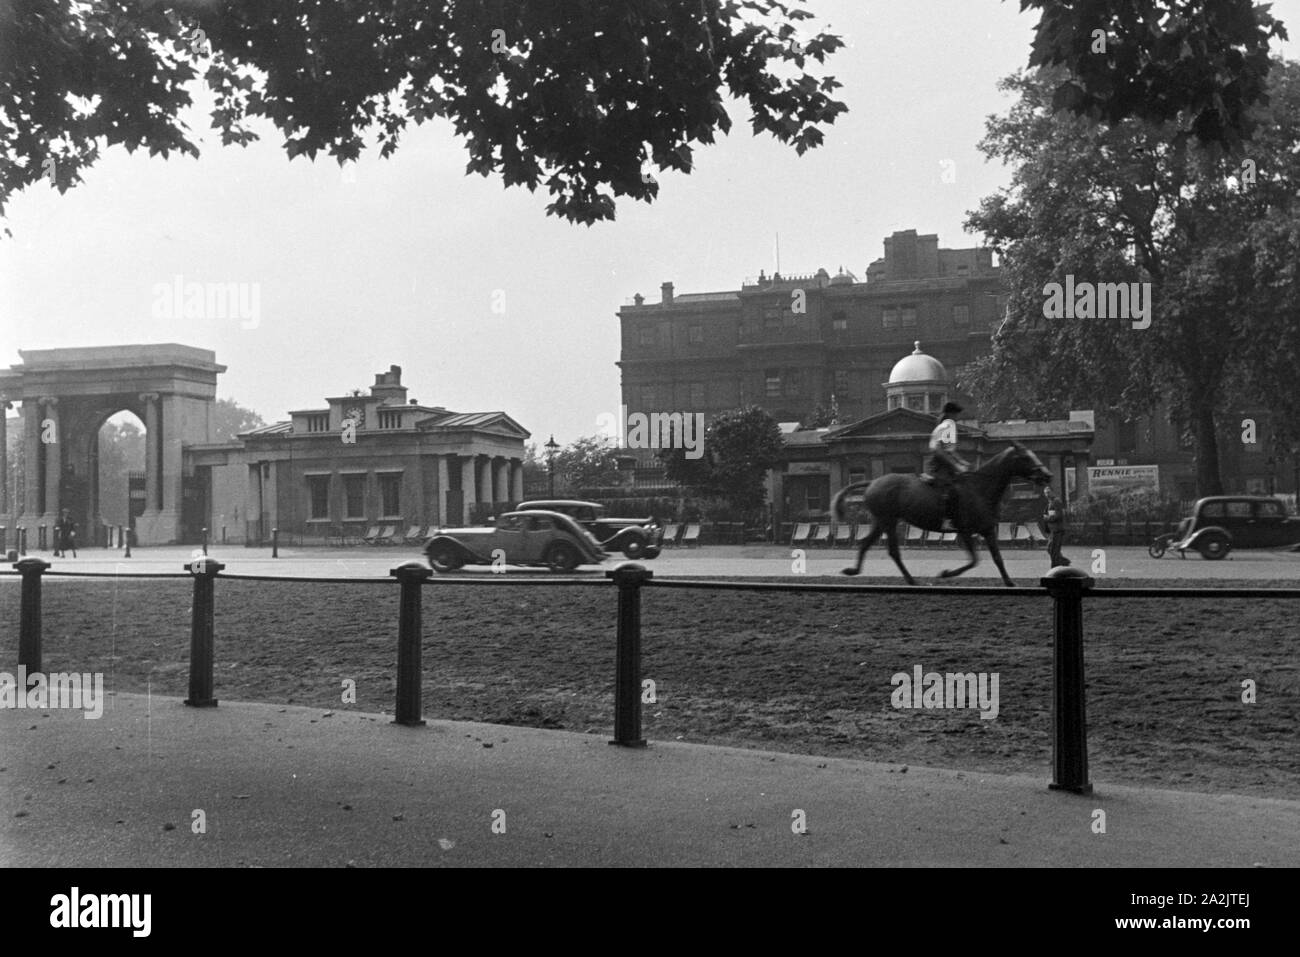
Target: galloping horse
{"points": [[978, 497]]}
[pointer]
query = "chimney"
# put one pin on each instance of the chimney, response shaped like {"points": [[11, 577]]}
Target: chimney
{"points": [[388, 388], [667, 289]]}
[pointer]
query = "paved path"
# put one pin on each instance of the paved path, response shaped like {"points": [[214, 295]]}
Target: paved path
{"points": [[1122, 564], [299, 786]]}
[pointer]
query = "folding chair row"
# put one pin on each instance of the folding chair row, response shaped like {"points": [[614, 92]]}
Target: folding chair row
{"points": [[381, 535], [675, 533]]}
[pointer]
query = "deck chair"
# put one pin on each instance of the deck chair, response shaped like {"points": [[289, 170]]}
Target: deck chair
{"points": [[864, 529], [821, 536], [1005, 532], [1020, 535], [915, 535], [801, 533], [372, 535], [692, 534], [671, 531], [843, 535], [414, 535], [1036, 538], [947, 538], [388, 536]]}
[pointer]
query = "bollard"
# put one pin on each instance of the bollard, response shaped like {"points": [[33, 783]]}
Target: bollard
{"points": [[627, 660], [29, 615], [40, 537], [22, 541], [223, 534], [4, 535], [121, 539], [275, 543], [1066, 585], [129, 536], [205, 540], [204, 571], [410, 643]]}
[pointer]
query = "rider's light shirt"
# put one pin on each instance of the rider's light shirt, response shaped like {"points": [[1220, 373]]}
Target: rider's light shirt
{"points": [[944, 437]]}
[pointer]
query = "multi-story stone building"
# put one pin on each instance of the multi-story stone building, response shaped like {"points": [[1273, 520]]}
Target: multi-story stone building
{"points": [[797, 344], [791, 343]]}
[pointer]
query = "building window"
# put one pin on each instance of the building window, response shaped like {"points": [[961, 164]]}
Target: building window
{"points": [[696, 392], [695, 332], [936, 402], [916, 401], [895, 401], [390, 420], [963, 270], [907, 317], [390, 494], [889, 318], [961, 315], [841, 382], [318, 496], [318, 422], [1126, 438], [648, 397], [839, 322], [647, 335], [772, 317], [792, 382], [354, 496], [772, 380]]}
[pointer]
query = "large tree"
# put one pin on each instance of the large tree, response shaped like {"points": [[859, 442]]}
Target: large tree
{"points": [[586, 463], [1134, 202], [579, 96], [229, 419], [738, 449]]}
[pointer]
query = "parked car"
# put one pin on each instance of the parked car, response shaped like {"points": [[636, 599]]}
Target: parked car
{"points": [[634, 537], [1220, 523], [517, 538]]}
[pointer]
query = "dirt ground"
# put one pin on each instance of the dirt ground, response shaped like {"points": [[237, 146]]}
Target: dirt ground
{"points": [[798, 673]]}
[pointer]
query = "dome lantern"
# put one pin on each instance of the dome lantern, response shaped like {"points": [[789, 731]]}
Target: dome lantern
{"points": [[918, 382]]}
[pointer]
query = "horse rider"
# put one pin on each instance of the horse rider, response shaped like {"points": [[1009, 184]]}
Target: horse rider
{"points": [[945, 463]]}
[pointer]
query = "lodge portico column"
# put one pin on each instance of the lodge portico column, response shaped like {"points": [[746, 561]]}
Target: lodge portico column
{"points": [[468, 495], [484, 477], [444, 484], [516, 480], [501, 473]]}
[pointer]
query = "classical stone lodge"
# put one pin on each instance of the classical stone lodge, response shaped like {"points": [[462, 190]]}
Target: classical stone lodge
{"points": [[324, 474]]}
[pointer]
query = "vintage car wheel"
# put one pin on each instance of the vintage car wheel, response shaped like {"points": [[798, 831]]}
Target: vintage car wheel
{"points": [[634, 546], [1156, 549], [563, 557], [1214, 547], [444, 558]]}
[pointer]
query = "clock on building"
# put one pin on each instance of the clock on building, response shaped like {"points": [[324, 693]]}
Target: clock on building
{"points": [[356, 413]]}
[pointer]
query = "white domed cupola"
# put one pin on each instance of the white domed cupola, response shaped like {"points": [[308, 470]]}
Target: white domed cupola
{"points": [[918, 382]]}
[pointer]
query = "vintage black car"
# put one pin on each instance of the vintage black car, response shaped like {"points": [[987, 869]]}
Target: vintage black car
{"points": [[1220, 523], [516, 538], [634, 537]]}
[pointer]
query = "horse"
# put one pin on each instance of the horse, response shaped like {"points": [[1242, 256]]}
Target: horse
{"points": [[978, 498]]}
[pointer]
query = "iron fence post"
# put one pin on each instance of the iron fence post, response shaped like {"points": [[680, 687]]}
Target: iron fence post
{"points": [[627, 662], [205, 540], [29, 614], [204, 571], [275, 543], [410, 644], [1066, 584]]}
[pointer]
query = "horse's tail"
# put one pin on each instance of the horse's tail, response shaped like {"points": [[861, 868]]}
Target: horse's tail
{"points": [[837, 503]]}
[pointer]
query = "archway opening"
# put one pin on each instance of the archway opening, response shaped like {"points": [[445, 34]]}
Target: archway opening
{"points": [[120, 450]]}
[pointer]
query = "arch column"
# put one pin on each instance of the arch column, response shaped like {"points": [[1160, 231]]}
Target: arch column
{"points": [[152, 486], [31, 509], [52, 451]]}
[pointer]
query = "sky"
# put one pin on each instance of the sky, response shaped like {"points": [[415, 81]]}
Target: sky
{"points": [[486, 302]]}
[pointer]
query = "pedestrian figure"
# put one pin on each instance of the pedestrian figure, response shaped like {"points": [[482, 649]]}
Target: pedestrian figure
{"points": [[58, 537], [1054, 521]]}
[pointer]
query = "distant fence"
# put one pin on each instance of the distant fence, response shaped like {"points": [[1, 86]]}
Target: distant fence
{"points": [[1066, 587]]}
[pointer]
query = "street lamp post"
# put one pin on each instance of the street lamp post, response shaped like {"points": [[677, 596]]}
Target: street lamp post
{"points": [[551, 448]]}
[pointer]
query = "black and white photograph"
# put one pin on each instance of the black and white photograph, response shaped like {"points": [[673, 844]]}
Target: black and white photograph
{"points": [[651, 434]]}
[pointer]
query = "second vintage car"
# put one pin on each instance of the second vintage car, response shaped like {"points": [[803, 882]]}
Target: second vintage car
{"points": [[1220, 523], [517, 538], [634, 537]]}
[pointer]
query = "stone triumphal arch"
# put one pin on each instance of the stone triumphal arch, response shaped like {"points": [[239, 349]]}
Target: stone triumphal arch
{"points": [[66, 395]]}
